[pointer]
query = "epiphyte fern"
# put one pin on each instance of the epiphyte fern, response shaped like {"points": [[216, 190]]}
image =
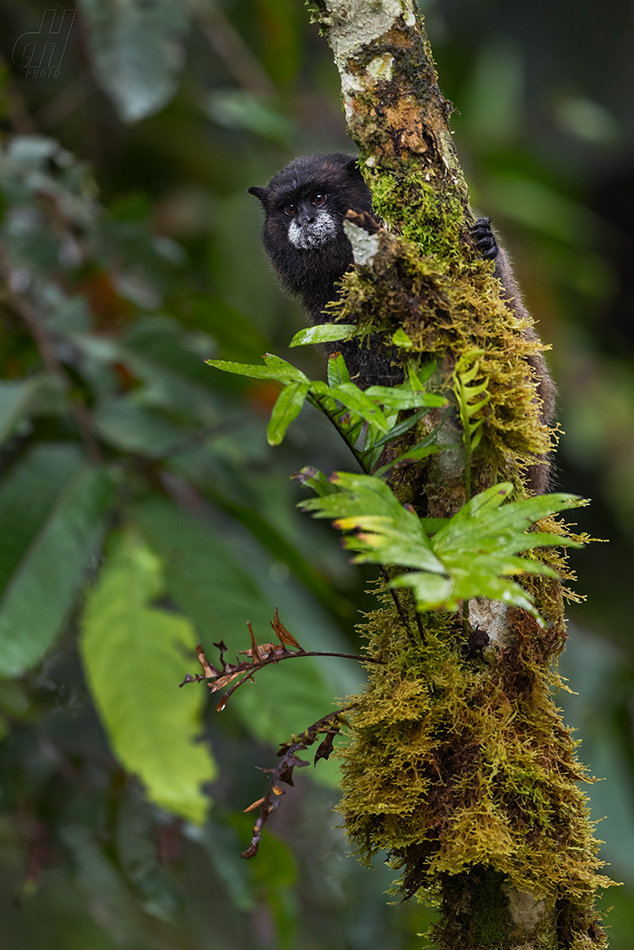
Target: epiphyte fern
{"points": [[466, 393], [446, 561]]}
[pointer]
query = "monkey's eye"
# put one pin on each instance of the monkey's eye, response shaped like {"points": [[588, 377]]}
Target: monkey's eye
{"points": [[319, 198], [290, 208]]}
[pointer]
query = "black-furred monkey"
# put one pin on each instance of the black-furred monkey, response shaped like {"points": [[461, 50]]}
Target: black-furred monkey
{"points": [[305, 204]]}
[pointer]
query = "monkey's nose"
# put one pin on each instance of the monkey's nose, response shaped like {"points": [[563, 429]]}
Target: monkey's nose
{"points": [[306, 216]]}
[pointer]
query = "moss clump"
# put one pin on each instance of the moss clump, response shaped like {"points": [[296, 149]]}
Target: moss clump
{"points": [[456, 763], [447, 312]]}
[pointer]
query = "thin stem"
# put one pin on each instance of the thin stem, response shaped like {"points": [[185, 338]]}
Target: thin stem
{"points": [[419, 624], [331, 417], [397, 603], [364, 469], [467, 466]]}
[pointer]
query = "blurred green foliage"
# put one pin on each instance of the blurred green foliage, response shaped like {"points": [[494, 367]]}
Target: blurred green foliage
{"points": [[140, 506]]}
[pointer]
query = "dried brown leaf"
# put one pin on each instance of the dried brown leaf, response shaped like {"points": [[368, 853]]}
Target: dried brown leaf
{"points": [[325, 748], [224, 680], [253, 806], [282, 633], [255, 650], [210, 671]]}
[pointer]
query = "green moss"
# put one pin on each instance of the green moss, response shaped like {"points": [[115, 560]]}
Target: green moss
{"points": [[435, 227], [449, 310], [452, 764]]}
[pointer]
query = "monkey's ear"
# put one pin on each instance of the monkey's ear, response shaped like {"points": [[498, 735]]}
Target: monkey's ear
{"points": [[260, 193], [353, 166]]}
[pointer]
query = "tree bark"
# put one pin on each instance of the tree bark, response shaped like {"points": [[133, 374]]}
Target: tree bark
{"points": [[458, 763]]}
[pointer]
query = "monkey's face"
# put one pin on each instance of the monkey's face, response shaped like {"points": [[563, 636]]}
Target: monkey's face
{"points": [[304, 206], [306, 201], [310, 222], [305, 214]]}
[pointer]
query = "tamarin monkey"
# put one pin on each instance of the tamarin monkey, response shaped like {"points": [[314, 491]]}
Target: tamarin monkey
{"points": [[304, 205]]}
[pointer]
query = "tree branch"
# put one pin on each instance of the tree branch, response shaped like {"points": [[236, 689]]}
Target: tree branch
{"points": [[455, 766]]}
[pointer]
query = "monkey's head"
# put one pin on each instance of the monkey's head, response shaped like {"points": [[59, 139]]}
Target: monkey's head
{"points": [[305, 204]]}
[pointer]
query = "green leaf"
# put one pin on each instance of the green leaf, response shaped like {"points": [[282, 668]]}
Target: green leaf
{"points": [[412, 455], [223, 846], [53, 509], [140, 859], [316, 480], [137, 52], [275, 368], [133, 655], [367, 503], [397, 397], [421, 450], [465, 395], [288, 406], [324, 333], [219, 595], [418, 377], [337, 370], [286, 371], [19, 397], [400, 429], [400, 338], [360, 403], [100, 887]]}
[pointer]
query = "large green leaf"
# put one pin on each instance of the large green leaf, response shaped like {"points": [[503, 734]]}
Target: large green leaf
{"points": [[240, 109], [132, 428], [53, 509], [134, 656], [220, 596], [137, 51]]}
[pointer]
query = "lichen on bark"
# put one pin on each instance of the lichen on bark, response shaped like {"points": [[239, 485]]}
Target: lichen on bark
{"points": [[458, 763]]}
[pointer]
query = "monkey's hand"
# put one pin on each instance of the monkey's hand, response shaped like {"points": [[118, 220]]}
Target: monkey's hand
{"points": [[485, 239], [363, 220]]}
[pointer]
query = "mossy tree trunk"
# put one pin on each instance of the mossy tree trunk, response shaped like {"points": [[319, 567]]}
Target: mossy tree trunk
{"points": [[458, 763]]}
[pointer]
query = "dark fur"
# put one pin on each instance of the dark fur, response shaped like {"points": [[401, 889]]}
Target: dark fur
{"points": [[539, 476], [312, 272]]}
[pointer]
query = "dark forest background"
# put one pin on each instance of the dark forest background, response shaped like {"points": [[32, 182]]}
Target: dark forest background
{"points": [[141, 508]]}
